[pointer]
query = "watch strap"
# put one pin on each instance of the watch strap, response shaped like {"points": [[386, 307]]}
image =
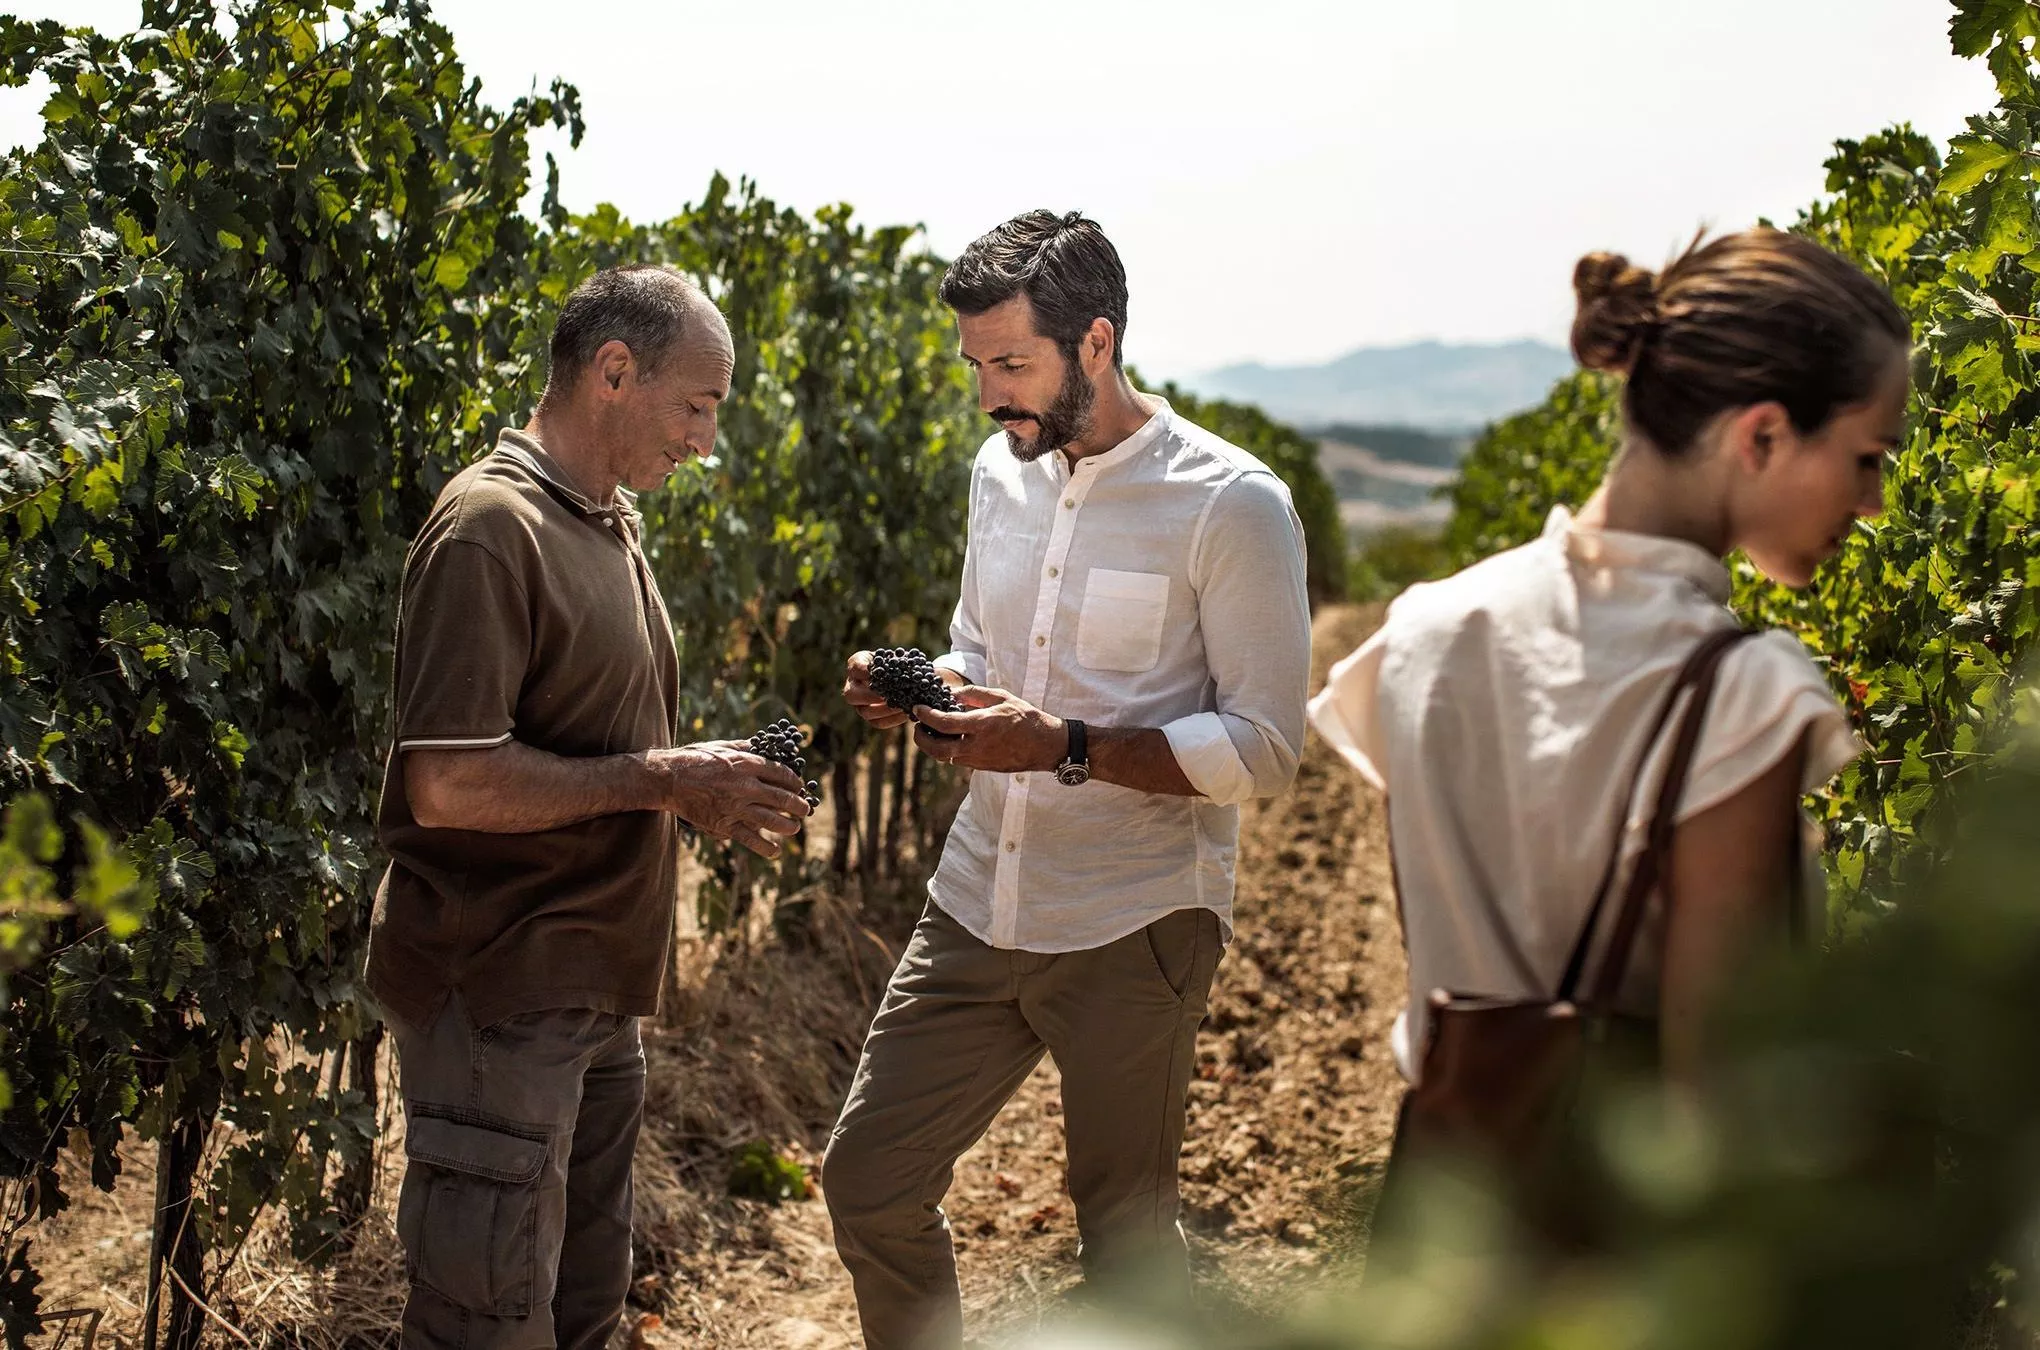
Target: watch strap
{"points": [[1080, 750]]}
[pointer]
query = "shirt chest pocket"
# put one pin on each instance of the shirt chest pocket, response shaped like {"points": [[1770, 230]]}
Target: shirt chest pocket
{"points": [[1120, 625]]}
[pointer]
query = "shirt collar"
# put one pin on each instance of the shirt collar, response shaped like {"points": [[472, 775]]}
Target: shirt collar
{"points": [[1150, 432], [524, 448], [1639, 552]]}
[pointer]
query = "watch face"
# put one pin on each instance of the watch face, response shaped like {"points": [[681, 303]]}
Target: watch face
{"points": [[1073, 775]]}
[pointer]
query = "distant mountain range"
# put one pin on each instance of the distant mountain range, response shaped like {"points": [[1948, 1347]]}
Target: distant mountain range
{"points": [[1439, 386], [1388, 477]]}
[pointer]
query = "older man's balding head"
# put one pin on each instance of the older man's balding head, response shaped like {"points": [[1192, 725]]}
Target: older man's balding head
{"points": [[651, 309]]}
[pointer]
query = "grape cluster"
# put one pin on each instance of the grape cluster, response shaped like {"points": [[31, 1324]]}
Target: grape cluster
{"points": [[784, 743], [906, 679]]}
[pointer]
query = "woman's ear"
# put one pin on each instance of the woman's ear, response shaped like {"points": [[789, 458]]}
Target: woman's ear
{"points": [[1757, 434]]}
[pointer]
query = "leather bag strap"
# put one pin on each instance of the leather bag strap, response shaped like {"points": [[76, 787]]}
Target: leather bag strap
{"points": [[1697, 676], [1652, 865]]}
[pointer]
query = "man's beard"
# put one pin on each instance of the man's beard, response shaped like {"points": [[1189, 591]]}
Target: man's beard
{"points": [[1064, 422]]}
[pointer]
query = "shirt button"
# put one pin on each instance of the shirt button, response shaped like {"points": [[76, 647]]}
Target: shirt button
{"points": [[1040, 641], [1069, 503], [1010, 846], [1055, 571]]}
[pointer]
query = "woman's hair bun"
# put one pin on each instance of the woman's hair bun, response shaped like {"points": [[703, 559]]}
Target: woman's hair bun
{"points": [[1618, 311]]}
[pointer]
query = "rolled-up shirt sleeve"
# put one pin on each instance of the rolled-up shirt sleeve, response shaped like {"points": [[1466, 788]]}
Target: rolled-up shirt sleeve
{"points": [[1254, 614], [966, 654]]}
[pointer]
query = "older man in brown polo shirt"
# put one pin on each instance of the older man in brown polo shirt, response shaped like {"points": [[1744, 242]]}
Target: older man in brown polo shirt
{"points": [[530, 812]]}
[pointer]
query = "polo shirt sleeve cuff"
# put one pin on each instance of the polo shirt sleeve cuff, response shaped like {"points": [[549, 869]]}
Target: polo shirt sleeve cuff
{"points": [[1206, 754], [970, 665], [454, 742]]}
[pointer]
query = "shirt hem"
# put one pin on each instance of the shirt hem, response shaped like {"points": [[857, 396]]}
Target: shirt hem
{"points": [[1224, 913], [422, 1012], [545, 1000]]}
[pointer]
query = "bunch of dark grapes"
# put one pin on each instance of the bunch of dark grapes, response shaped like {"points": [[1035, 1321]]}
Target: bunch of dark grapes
{"points": [[784, 743], [906, 679]]}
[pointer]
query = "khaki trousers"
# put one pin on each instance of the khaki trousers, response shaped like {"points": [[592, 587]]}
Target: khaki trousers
{"points": [[961, 1027], [515, 1209]]}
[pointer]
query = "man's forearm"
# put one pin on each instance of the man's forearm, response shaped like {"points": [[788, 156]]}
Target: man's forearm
{"points": [[1136, 757], [1001, 733], [516, 789]]}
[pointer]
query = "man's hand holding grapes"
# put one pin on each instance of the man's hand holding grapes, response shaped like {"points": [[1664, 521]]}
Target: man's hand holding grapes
{"points": [[997, 731]]}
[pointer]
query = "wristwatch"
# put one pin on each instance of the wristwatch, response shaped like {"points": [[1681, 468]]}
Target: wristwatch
{"points": [[1075, 770]]}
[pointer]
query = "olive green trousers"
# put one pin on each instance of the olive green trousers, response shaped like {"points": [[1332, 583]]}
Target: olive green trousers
{"points": [[961, 1027]]}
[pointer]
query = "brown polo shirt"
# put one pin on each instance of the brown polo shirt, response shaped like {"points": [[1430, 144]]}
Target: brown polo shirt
{"points": [[528, 613]]}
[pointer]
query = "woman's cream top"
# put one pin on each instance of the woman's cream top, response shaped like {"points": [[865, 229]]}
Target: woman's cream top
{"points": [[1504, 710]]}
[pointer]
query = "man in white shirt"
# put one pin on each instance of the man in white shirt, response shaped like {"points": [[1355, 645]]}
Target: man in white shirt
{"points": [[1132, 647]]}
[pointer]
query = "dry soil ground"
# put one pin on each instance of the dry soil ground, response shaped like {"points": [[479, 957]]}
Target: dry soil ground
{"points": [[1293, 1100]]}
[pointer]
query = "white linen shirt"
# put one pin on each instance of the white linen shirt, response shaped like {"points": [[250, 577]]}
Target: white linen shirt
{"points": [[1504, 711], [1160, 584]]}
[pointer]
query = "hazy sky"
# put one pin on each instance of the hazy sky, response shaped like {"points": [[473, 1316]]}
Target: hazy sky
{"points": [[1286, 179]]}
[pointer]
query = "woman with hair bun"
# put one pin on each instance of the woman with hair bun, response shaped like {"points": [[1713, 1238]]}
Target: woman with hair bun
{"points": [[1521, 714]]}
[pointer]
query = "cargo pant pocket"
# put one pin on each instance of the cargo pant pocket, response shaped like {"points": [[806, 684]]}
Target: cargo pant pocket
{"points": [[468, 1212]]}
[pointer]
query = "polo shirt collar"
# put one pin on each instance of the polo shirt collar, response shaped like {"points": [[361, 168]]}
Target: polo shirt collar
{"points": [[1639, 552], [1150, 432], [523, 448]]}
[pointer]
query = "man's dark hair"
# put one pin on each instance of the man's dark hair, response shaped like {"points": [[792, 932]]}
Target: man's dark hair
{"points": [[1064, 265], [646, 307]]}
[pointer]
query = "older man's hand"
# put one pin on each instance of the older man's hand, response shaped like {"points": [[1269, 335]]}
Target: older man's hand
{"points": [[725, 791], [997, 731]]}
